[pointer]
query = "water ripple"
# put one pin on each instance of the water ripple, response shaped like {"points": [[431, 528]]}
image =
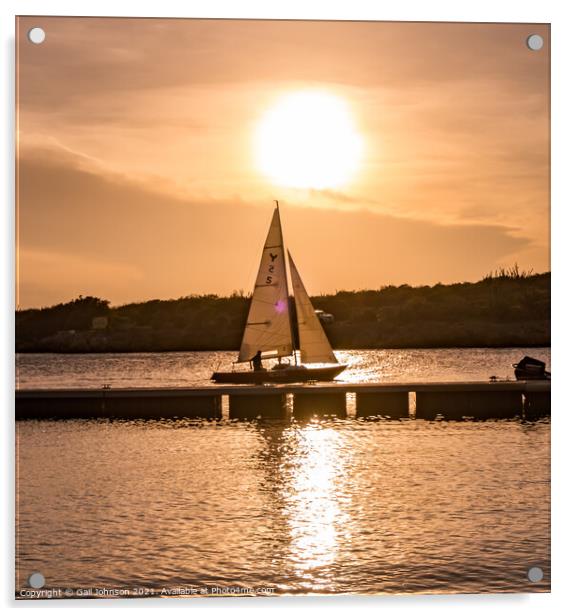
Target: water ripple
{"points": [[328, 507]]}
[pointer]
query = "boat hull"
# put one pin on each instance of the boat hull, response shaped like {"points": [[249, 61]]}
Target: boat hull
{"points": [[286, 375]]}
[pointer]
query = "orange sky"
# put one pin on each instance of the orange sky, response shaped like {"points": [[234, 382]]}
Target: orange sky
{"points": [[137, 170]]}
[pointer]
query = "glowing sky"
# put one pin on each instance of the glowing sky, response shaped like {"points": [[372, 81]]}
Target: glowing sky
{"points": [[138, 175]]}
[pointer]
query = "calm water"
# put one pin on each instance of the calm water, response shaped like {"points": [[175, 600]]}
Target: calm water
{"points": [[326, 507], [189, 369]]}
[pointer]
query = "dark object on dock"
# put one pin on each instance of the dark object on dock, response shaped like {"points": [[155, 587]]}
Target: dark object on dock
{"points": [[530, 368], [288, 374]]}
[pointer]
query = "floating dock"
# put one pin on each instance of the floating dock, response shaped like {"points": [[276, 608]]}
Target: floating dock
{"points": [[529, 400]]}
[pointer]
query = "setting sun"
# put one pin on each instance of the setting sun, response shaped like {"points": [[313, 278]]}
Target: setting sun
{"points": [[308, 140]]}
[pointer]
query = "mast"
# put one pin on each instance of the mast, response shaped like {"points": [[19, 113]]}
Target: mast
{"points": [[292, 325]]}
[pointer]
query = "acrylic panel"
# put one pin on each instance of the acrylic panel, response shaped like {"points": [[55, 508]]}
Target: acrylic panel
{"points": [[283, 308]]}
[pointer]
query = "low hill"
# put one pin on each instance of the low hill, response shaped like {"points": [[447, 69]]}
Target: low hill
{"points": [[505, 309]]}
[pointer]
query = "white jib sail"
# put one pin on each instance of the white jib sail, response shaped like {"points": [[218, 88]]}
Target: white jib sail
{"points": [[268, 327], [313, 343]]}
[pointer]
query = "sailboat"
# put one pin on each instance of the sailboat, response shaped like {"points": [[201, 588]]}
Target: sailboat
{"points": [[269, 331]]}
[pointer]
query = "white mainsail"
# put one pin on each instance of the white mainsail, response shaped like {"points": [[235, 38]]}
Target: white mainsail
{"points": [[268, 327], [313, 342]]}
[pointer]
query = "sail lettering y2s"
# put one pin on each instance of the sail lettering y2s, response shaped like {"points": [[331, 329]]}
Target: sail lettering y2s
{"points": [[271, 267]]}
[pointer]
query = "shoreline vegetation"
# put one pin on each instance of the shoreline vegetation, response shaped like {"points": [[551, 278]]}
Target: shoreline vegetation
{"points": [[507, 308]]}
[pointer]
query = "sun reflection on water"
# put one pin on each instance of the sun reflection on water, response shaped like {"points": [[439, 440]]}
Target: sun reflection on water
{"points": [[314, 489]]}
